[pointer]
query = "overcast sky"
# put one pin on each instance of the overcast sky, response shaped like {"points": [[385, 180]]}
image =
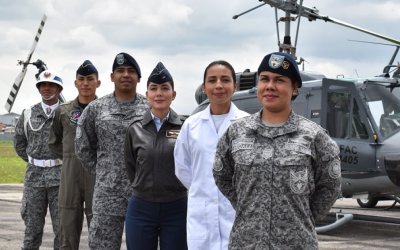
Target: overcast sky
{"points": [[186, 35]]}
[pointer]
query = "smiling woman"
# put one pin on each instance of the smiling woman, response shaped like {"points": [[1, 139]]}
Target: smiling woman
{"points": [[157, 208], [210, 214], [276, 161]]}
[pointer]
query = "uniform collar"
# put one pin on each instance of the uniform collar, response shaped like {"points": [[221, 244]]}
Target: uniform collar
{"points": [[290, 126], [174, 118], [75, 102]]}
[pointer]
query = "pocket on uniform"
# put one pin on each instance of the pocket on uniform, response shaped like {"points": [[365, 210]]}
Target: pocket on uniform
{"points": [[196, 220], [243, 157], [23, 209], [294, 160]]}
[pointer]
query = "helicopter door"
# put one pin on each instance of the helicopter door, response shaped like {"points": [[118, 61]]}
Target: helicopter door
{"points": [[344, 117]]}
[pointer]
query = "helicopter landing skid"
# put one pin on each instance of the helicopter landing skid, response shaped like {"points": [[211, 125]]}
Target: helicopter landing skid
{"points": [[344, 218]]}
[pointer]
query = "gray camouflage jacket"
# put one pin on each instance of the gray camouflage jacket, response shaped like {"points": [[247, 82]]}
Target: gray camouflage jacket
{"points": [[36, 146], [278, 179], [99, 145]]}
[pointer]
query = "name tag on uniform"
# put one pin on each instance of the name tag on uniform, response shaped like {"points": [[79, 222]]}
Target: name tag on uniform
{"points": [[298, 148], [110, 118], [242, 143], [172, 133], [34, 119], [299, 141]]}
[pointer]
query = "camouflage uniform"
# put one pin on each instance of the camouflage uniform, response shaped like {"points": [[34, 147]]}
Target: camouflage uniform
{"points": [[76, 185], [280, 180], [100, 147], [40, 183]]}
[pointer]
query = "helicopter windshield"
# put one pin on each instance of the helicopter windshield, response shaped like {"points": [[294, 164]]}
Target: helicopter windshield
{"points": [[384, 103]]}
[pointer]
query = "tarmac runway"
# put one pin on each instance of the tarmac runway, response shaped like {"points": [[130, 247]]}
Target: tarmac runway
{"points": [[353, 235]]}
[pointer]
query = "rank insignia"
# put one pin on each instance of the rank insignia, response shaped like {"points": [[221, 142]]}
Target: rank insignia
{"points": [[75, 116], [172, 133], [285, 65], [48, 111]]}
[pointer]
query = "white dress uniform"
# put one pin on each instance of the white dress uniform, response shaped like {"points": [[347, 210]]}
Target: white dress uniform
{"points": [[210, 214]]}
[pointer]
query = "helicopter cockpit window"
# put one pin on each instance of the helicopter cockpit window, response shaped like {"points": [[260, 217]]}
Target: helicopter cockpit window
{"points": [[343, 119], [338, 112], [384, 105]]}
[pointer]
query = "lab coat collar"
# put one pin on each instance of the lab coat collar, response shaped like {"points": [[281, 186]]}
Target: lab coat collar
{"points": [[232, 116]]}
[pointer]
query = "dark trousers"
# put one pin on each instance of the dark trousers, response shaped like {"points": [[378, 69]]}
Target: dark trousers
{"points": [[147, 221]]}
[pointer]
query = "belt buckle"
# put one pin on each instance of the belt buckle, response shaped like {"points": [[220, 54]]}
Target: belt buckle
{"points": [[32, 161], [47, 163], [57, 162]]}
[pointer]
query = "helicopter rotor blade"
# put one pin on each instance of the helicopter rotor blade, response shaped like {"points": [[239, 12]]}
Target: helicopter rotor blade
{"points": [[18, 81], [15, 88], [333, 20]]}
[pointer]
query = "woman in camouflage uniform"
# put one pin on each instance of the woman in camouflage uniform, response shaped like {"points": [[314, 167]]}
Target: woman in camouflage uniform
{"points": [[280, 171]]}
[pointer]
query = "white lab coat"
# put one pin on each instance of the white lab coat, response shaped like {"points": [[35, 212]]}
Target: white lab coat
{"points": [[210, 215]]}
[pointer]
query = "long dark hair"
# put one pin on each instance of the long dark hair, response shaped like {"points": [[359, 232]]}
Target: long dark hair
{"points": [[224, 63]]}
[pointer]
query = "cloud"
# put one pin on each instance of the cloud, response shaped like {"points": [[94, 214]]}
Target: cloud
{"points": [[186, 35]]}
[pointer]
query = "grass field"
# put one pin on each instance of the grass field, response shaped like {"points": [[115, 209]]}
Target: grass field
{"points": [[12, 167]]}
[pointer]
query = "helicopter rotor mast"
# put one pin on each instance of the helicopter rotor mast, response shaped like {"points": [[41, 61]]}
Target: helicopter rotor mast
{"points": [[312, 14]]}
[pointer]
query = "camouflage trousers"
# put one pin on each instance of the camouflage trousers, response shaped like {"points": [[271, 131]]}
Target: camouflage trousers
{"points": [[33, 211], [105, 232]]}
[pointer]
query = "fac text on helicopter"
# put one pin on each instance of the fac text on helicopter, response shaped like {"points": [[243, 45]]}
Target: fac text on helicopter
{"points": [[362, 115]]}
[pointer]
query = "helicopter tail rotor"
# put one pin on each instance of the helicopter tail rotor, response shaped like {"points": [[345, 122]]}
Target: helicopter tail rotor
{"points": [[18, 81]]}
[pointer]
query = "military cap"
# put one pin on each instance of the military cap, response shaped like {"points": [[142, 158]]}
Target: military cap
{"points": [[160, 74], [87, 68], [283, 64], [124, 59]]}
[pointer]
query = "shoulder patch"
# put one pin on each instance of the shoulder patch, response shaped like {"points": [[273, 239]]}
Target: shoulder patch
{"points": [[65, 103]]}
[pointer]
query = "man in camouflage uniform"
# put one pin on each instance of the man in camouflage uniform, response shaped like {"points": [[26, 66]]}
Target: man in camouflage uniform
{"points": [[280, 178], [99, 142], [42, 176], [76, 184]]}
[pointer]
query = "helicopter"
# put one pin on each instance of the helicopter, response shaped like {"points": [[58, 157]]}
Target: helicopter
{"points": [[362, 115], [40, 65]]}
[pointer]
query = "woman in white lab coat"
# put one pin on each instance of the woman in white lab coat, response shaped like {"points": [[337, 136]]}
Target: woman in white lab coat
{"points": [[210, 214]]}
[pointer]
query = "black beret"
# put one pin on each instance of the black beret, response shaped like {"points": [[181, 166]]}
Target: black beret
{"points": [[160, 74], [86, 68], [124, 59], [283, 64]]}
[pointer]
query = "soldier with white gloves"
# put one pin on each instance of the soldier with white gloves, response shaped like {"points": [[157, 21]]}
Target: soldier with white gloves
{"points": [[42, 177]]}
